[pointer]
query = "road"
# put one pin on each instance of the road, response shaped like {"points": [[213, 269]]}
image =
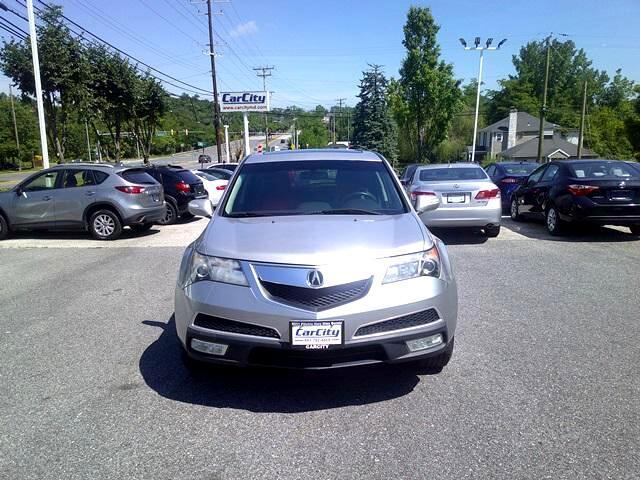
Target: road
{"points": [[543, 384]]}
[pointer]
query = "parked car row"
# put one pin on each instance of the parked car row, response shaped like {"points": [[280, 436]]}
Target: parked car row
{"points": [[562, 192], [103, 198]]}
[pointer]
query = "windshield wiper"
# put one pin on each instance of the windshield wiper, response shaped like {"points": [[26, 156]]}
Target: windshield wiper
{"points": [[248, 214], [347, 211]]}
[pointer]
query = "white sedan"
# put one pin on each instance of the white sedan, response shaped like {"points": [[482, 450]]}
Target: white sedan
{"points": [[213, 185]]}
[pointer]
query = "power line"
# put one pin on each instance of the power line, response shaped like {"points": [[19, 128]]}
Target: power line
{"points": [[199, 90], [12, 32]]}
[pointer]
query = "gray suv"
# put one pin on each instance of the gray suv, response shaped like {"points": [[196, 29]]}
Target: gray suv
{"points": [[100, 198], [316, 259]]}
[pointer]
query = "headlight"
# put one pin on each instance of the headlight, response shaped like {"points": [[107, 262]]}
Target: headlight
{"points": [[415, 265], [216, 269]]}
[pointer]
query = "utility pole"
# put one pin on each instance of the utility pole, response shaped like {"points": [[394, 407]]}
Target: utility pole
{"points": [[265, 72], [482, 49], [216, 105], [543, 108], [15, 128], [340, 100], [86, 130], [38, 84], [583, 114]]}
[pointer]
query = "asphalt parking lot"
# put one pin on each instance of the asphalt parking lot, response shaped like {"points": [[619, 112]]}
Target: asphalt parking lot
{"points": [[543, 383]]}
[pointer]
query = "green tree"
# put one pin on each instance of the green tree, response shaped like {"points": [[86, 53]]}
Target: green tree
{"points": [[27, 123], [373, 126], [112, 87], [149, 106], [569, 67], [427, 86], [63, 70]]}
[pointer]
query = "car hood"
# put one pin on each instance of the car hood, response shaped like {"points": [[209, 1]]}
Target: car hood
{"points": [[313, 239]]}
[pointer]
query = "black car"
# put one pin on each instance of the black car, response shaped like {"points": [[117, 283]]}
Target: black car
{"points": [[508, 176], [203, 158], [406, 177], [599, 192], [180, 187]]}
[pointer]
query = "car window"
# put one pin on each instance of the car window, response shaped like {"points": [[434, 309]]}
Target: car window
{"points": [[187, 177], [535, 176], [448, 174], [491, 170], [206, 176], [44, 181], [99, 176], [604, 169], [314, 187], [77, 178], [139, 176], [218, 174], [520, 168], [550, 173]]}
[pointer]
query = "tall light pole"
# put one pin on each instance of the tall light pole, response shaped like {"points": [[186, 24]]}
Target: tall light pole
{"points": [[481, 49], [226, 141], [36, 75]]}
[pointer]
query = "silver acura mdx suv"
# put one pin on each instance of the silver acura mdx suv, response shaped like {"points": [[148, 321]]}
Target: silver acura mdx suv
{"points": [[100, 198], [316, 259]]}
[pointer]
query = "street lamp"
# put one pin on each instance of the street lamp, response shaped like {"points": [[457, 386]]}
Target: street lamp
{"points": [[481, 49]]}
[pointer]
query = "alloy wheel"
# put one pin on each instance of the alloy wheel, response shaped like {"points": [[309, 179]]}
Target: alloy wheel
{"points": [[104, 225], [552, 219]]}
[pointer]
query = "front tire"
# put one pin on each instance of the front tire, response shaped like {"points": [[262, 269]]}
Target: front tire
{"points": [[437, 362], [4, 227], [555, 226], [105, 225]]}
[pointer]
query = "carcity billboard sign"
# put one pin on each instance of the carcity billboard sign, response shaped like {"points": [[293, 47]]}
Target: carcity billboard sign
{"points": [[244, 101]]}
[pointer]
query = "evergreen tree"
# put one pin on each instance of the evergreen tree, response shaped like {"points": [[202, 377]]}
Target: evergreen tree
{"points": [[373, 126]]}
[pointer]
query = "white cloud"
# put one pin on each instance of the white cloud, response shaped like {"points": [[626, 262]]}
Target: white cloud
{"points": [[244, 29]]}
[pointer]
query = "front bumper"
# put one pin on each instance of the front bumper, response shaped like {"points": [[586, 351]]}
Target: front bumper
{"points": [[465, 216], [254, 307], [246, 352]]}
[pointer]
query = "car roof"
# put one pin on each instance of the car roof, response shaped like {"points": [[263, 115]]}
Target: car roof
{"points": [[449, 165], [314, 154]]}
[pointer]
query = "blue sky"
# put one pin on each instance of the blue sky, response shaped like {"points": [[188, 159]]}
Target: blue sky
{"points": [[319, 48]]}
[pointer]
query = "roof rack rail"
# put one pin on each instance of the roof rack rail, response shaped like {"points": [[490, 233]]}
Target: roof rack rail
{"points": [[85, 164]]}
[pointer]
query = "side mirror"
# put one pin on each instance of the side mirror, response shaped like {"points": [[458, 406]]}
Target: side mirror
{"points": [[200, 207], [19, 191], [426, 203]]}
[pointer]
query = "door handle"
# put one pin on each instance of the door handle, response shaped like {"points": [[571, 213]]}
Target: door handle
{"points": [[46, 198], [90, 194]]}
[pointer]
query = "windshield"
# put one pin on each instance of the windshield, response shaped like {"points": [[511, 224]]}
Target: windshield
{"points": [[520, 168], [451, 174], [313, 188], [604, 169]]}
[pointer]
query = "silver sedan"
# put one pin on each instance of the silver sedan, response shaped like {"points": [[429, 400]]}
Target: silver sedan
{"points": [[467, 195]]}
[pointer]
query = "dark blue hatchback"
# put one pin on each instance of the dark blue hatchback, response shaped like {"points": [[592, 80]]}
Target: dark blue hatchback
{"points": [[508, 176]]}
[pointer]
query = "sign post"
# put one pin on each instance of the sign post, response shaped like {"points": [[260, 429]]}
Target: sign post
{"points": [[245, 102]]}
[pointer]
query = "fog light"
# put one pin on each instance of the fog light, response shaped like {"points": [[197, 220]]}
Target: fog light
{"points": [[425, 342], [209, 348]]}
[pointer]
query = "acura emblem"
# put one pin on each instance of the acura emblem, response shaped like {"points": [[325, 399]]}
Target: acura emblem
{"points": [[455, 185], [314, 279]]}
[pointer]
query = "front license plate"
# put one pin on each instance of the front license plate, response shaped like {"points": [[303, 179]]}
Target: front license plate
{"points": [[455, 198], [316, 335]]}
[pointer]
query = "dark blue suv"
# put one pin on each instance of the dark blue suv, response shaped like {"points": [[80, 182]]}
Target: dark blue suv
{"points": [[180, 187]]}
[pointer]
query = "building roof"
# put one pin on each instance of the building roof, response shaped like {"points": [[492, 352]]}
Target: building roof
{"points": [[526, 123], [550, 145]]}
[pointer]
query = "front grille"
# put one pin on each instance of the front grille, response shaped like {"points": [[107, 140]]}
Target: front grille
{"points": [[414, 320], [318, 299], [224, 325], [286, 358]]}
